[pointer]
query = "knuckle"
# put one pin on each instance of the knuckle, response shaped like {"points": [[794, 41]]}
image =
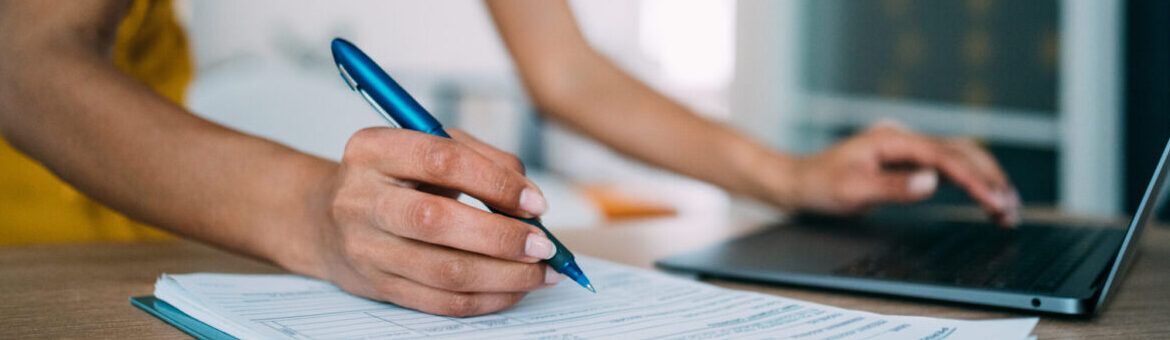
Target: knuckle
{"points": [[366, 134], [514, 163], [455, 273], [510, 240], [440, 158], [461, 305], [425, 217], [359, 144], [504, 185], [354, 154], [358, 251], [533, 275]]}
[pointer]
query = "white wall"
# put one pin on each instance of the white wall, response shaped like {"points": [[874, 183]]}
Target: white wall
{"points": [[264, 67], [435, 36], [426, 44]]}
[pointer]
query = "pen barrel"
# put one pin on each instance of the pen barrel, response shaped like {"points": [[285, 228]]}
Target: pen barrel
{"points": [[438, 131], [364, 75]]}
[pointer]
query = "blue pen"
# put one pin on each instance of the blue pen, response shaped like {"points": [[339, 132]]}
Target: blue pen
{"points": [[401, 110]]}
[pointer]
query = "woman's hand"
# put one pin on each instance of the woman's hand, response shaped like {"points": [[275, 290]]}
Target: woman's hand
{"points": [[888, 163], [399, 235]]}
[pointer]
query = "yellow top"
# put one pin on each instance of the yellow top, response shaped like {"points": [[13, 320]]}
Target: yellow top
{"points": [[35, 206]]}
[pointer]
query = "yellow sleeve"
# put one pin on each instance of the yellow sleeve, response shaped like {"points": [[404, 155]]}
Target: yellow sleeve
{"points": [[35, 206]]}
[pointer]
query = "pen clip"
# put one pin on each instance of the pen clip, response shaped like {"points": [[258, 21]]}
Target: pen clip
{"points": [[345, 76], [356, 87], [377, 107]]}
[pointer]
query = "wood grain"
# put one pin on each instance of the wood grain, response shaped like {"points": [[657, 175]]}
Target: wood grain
{"points": [[81, 291]]}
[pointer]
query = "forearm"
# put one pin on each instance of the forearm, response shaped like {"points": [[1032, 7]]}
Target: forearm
{"points": [[609, 105], [64, 104], [572, 83]]}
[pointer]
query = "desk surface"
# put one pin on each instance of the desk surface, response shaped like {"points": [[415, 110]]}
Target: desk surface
{"points": [[82, 290]]}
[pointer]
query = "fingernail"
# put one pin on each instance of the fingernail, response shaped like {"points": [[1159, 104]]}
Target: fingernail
{"points": [[1014, 197], [1014, 219], [1008, 200], [923, 182], [1011, 220], [552, 277], [998, 201], [539, 247], [532, 202]]}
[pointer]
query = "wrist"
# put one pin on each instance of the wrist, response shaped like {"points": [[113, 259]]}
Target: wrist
{"points": [[780, 181], [767, 175], [302, 245]]}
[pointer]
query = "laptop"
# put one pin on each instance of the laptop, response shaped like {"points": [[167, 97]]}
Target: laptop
{"points": [[1050, 268]]}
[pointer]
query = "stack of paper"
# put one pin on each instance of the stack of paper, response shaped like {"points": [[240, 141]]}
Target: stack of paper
{"points": [[630, 303]]}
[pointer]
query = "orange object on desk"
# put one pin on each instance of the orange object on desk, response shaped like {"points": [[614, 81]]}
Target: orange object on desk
{"points": [[617, 204]]}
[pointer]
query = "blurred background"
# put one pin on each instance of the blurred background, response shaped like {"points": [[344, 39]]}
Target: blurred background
{"points": [[1072, 96]]}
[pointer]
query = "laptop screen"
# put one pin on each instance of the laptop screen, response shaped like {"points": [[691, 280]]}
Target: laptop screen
{"points": [[1145, 212]]}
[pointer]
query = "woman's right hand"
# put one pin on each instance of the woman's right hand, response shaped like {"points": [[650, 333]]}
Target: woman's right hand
{"points": [[850, 177], [399, 235]]}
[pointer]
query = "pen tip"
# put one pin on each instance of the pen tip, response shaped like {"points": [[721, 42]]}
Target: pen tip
{"points": [[574, 272]]}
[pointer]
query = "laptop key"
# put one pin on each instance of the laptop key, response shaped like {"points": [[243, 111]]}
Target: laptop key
{"points": [[1031, 258]]}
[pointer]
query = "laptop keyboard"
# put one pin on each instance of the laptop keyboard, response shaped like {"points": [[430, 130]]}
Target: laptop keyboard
{"points": [[1034, 258]]}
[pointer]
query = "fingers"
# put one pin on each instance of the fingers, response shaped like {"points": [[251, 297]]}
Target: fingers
{"points": [[399, 239], [433, 278], [1004, 201], [980, 158], [963, 162], [502, 158], [445, 163], [443, 221], [409, 294], [460, 271], [505, 159], [900, 146], [908, 187], [961, 172]]}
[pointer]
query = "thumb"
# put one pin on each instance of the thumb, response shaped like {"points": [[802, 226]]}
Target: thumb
{"points": [[907, 187]]}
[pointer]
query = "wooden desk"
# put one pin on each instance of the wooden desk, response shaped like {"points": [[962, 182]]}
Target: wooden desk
{"points": [[82, 290]]}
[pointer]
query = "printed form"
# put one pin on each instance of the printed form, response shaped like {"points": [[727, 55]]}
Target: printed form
{"points": [[631, 303]]}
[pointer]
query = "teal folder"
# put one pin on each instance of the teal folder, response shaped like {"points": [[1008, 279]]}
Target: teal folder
{"points": [[177, 318]]}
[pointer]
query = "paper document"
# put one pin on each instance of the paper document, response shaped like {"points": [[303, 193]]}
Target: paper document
{"points": [[630, 303]]}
